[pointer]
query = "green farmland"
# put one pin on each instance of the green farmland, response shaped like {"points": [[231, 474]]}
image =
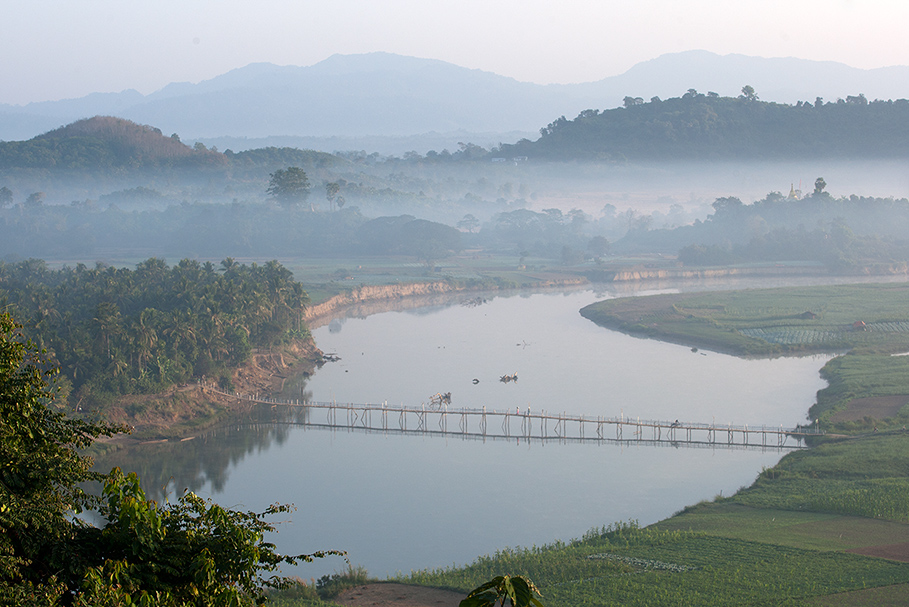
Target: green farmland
{"points": [[869, 387], [768, 322], [826, 526]]}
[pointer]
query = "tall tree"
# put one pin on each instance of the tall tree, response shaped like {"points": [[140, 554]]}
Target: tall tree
{"points": [[289, 186], [748, 93], [331, 191]]}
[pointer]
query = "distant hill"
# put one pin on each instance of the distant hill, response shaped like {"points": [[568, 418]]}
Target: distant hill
{"points": [[710, 127], [104, 142], [381, 94]]}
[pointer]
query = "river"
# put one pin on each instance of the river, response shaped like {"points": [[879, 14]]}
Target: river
{"points": [[398, 503]]}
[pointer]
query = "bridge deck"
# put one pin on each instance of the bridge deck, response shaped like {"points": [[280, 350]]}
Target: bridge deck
{"points": [[483, 423]]}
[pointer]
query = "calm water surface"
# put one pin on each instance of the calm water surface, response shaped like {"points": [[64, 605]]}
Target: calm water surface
{"points": [[397, 503]]}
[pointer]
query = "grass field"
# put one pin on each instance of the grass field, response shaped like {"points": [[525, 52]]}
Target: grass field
{"points": [[766, 322], [783, 541], [666, 567], [773, 322]]}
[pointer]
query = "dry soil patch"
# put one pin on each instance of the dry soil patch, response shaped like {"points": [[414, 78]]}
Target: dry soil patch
{"points": [[894, 552], [877, 407], [398, 595]]}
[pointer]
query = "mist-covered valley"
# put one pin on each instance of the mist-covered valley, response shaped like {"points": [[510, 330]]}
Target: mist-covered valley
{"points": [[208, 204], [270, 274]]}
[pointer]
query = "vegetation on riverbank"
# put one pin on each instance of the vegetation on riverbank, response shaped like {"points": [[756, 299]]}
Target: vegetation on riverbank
{"points": [[818, 527], [129, 341], [870, 322], [767, 322]]}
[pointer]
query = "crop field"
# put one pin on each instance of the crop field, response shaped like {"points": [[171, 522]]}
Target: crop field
{"points": [[857, 376], [885, 596], [790, 337], [793, 528], [629, 566], [786, 540], [761, 322], [869, 321], [866, 477]]}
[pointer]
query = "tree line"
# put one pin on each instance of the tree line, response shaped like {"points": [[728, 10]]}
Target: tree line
{"points": [[212, 231], [844, 234], [117, 331], [707, 126]]}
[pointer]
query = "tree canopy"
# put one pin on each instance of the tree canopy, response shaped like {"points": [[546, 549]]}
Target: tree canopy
{"points": [[188, 553], [699, 126], [119, 331], [289, 186], [40, 472]]}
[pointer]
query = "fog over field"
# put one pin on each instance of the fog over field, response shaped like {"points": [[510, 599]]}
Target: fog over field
{"points": [[218, 216]]}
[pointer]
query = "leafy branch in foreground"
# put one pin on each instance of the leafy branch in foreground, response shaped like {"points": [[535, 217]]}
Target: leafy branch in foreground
{"points": [[518, 590], [183, 553], [191, 553]]}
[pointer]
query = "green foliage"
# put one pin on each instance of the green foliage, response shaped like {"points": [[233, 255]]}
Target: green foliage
{"points": [[545, 234], [191, 553], [194, 230], [118, 331], [106, 143], [406, 235], [272, 156], [330, 586], [712, 127], [850, 233], [517, 590], [861, 477], [40, 472], [289, 186], [643, 567], [857, 375], [770, 321]]}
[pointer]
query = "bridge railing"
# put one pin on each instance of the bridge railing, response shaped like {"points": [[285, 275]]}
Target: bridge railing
{"points": [[486, 422]]}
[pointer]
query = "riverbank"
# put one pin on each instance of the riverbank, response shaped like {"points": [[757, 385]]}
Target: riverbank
{"points": [[825, 526], [186, 410], [371, 299], [829, 525], [870, 322]]}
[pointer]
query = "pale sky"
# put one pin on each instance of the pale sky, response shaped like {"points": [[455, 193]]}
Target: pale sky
{"points": [[57, 49]]}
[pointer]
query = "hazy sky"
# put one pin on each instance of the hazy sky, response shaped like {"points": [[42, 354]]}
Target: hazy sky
{"points": [[55, 49]]}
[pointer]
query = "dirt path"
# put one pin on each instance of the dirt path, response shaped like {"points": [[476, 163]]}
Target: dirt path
{"points": [[398, 595]]}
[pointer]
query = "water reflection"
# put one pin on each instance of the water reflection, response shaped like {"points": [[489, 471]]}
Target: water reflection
{"points": [[203, 463], [402, 502]]}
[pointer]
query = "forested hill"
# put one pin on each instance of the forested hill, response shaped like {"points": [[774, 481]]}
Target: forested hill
{"points": [[105, 142], [699, 126]]}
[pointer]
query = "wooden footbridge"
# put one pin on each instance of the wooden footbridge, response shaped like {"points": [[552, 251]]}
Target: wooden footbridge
{"points": [[483, 424]]}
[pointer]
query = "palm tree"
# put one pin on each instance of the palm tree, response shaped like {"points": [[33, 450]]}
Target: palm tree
{"points": [[146, 338]]}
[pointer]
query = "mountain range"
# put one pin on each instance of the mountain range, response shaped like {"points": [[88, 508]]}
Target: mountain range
{"points": [[348, 99]]}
